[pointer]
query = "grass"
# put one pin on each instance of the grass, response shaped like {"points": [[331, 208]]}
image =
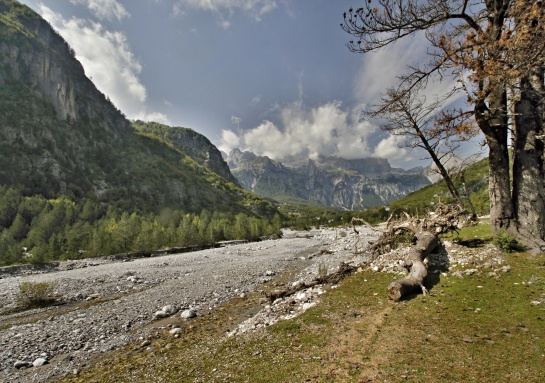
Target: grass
{"points": [[475, 329], [36, 294]]}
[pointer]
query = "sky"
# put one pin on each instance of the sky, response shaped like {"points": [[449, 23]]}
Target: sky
{"points": [[270, 76]]}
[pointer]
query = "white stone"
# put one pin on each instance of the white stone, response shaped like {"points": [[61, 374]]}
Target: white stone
{"points": [[187, 314], [160, 314], [39, 362], [170, 309], [301, 296]]}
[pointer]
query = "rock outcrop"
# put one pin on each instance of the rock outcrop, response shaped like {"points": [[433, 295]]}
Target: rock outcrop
{"points": [[191, 143], [59, 135], [330, 181]]}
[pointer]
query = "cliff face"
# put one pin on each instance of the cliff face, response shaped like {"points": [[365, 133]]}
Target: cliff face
{"points": [[33, 53], [332, 181], [60, 135]]}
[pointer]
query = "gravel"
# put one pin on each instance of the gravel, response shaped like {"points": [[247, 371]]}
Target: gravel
{"points": [[107, 305]]}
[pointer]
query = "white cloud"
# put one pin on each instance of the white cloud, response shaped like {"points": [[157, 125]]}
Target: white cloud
{"points": [[324, 130], [379, 69], [254, 8], [236, 121], [107, 59], [390, 149], [229, 140], [105, 9], [153, 116]]}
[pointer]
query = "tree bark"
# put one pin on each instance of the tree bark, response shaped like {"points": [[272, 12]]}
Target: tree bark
{"points": [[492, 121], [426, 242], [528, 167]]}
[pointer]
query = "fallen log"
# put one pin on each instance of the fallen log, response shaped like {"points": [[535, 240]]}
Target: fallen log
{"points": [[333, 278], [425, 243], [446, 218]]}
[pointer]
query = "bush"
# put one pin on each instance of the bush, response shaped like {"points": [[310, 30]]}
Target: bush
{"points": [[507, 243], [36, 294]]}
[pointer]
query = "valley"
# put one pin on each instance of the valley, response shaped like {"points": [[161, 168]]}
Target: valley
{"points": [[103, 306]]}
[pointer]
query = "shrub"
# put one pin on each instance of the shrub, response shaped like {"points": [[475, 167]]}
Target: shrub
{"points": [[36, 294], [507, 243]]}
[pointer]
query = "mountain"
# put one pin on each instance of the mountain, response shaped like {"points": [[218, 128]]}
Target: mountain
{"points": [[59, 135], [331, 181], [194, 144]]}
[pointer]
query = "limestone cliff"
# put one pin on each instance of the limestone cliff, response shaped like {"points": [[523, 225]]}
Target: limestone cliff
{"points": [[60, 135], [330, 181]]}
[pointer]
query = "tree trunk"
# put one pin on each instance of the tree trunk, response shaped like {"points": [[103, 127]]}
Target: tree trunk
{"points": [[426, 242], [528, 169], [493, 123], [439, 164], [466, 195]]}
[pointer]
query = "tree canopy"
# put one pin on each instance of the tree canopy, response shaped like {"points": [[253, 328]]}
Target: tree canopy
{"points": [[496, 51]]}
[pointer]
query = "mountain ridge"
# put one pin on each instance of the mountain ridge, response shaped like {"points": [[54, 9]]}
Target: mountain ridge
{"points": [[330, 181], [59, 135]]}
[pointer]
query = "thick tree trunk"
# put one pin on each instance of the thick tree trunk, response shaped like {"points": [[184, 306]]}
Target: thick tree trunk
{"points": [[528, 169], [492, 121], [426, 242]]}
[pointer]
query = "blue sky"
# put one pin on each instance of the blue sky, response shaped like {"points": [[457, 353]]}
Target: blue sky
{"points": [[270, 76]]}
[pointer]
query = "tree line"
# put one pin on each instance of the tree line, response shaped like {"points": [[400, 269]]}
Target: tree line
{"points": [[35, 229]]}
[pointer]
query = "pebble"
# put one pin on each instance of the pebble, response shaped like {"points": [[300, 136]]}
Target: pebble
{"points": [[170, 309], [39, 362], [176, 330], [188, 314], [21, 364]]}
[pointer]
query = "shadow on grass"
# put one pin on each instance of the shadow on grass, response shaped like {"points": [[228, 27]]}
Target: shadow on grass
{"points": [[473, 243]]}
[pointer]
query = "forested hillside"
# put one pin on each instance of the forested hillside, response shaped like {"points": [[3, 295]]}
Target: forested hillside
{"points": [[71, 164]]}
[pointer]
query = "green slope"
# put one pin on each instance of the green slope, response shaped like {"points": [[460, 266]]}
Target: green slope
{"points": [[76, 179], [476, 177]]}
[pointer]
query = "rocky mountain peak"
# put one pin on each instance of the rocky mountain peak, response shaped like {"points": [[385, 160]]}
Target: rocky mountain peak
{"points": [[332, 181]]}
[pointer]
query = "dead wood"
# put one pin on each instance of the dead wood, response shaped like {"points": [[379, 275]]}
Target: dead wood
{"points": [[333, 278], [446, 218], [426, 242]]}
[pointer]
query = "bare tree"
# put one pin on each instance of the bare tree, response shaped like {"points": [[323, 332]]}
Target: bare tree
{"points": [[497, 48], [420, 124]]}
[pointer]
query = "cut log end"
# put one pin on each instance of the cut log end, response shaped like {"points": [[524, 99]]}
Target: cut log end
{"points": [[394, 291]]}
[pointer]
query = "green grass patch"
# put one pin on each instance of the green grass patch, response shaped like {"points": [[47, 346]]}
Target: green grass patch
{"points": [[36, 294], [472, 236]]}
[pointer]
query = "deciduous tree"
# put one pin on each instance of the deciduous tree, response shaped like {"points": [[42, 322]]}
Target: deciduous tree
{"points": [[496, 50]]}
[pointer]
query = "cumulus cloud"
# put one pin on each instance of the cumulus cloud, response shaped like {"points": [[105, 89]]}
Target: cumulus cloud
{"points": [[107, 59], [390, 149], [324, 130], [105, 9], [254, 8]]}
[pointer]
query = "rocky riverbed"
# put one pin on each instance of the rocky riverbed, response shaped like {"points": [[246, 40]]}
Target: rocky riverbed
{"points": [[104, 305]]}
